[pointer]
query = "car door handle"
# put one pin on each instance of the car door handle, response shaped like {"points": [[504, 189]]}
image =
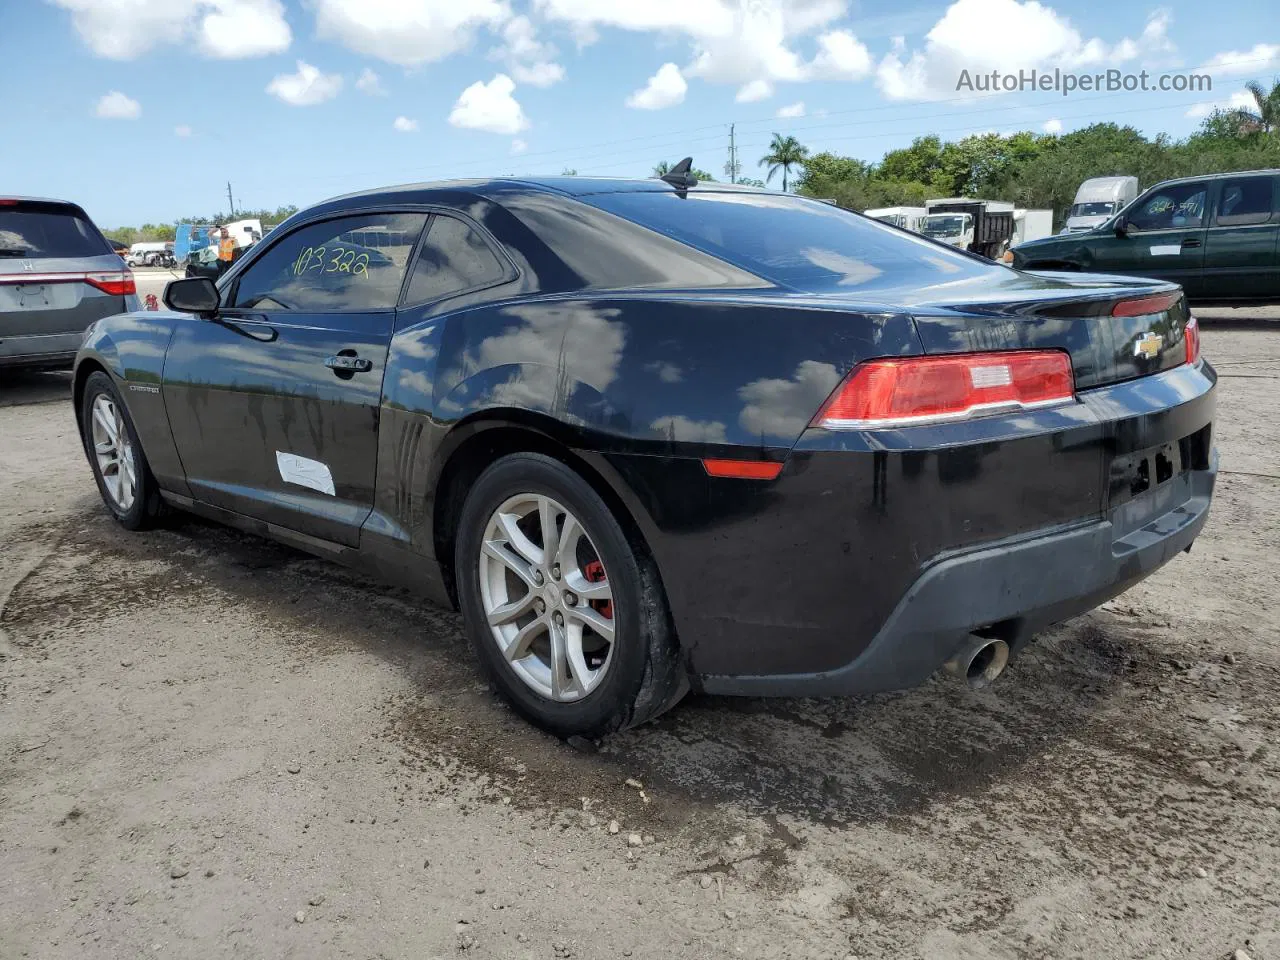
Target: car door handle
{"points": [[344, 363], [1190, 242]]}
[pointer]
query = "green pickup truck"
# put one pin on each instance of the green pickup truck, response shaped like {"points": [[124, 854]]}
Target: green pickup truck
{"points": [[1218, 236]]}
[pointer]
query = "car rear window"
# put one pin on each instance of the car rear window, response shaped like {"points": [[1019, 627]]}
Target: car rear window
{"points": [[32, 231], [800, 243]]}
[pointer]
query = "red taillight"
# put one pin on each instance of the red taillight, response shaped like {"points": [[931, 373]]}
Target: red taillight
{"points": [[6, 202], [911, 390], [1142, 306], [1192, 334], [117, 284], [743, 469]]}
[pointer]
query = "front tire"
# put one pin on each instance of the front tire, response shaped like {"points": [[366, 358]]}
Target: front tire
{"points": [[119, 466], [567, 617]]}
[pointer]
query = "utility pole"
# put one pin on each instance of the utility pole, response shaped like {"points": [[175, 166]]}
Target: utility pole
{"points": [[231, 204], [733, 157]]}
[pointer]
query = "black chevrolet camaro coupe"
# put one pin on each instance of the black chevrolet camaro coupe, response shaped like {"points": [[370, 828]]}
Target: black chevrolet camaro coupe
{"points": [[649, 435]]}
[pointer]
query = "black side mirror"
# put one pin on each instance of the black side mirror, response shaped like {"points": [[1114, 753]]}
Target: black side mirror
{"points": [[1122, 227], [195, 295]]}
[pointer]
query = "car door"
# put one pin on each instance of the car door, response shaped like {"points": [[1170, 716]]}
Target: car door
{"points": [[1240, 256], [1164, 237], [275, 403]]}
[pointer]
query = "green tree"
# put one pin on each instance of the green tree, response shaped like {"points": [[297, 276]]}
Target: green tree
{"points": [[784, 153], [1264, 115], [662, 168]]}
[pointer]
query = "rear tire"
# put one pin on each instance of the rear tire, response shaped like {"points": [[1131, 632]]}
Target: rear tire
{"points": [[569, 679], [119, 466]]}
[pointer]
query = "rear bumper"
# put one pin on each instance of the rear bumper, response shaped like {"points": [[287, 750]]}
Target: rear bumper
{"points": [[48, 350], [1017, 586]]}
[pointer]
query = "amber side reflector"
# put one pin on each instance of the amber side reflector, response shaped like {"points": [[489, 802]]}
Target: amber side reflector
{"points": [[743, 469]]}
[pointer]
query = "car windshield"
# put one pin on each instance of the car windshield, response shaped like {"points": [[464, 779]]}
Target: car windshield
{"points": [[805, 244], [31, 232], [942, 226], [1099, 209]]}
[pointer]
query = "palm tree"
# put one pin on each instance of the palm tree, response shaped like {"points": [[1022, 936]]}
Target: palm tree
{"points": [[784, 153], [1266, 117]]}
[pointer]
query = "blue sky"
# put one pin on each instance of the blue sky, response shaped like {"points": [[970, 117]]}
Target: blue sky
{"points": [[141, 110]]}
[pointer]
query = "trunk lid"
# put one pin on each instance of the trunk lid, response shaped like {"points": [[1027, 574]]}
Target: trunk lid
{"points": [[1064, 312]]}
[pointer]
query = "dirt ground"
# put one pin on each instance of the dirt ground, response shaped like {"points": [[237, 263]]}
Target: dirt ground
{"points": [[211, 745]]}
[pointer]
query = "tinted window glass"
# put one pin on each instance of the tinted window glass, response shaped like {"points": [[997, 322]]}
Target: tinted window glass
{"points": [[30, 231], [351, 263], [801, 243], [1247, 200], [1180, 205], [592, 249], [454, 257]]}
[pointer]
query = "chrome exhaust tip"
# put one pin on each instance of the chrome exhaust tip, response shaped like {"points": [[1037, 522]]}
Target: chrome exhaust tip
{"points": [[979, 661]]}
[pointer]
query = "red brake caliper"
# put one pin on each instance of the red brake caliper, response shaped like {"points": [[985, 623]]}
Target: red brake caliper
{"points": [[594, 572]]}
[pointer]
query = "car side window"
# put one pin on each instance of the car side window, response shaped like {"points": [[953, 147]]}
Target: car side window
{"points": [[453, 257], [1244, 200], [1172, 207], [348, 263]]}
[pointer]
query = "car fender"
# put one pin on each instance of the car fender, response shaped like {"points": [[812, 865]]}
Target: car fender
{"points": [[131, 347]]}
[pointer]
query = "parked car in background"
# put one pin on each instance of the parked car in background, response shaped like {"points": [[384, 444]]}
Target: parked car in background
{"points": [[58, 274], [1098, 200], [652, 435], [1217, 236]]}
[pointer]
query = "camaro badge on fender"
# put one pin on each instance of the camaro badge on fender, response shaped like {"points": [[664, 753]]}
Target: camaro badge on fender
{"points": [[1148, 346]]}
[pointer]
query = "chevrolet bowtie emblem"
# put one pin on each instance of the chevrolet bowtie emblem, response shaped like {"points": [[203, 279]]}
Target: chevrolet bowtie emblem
{"points": [[1148, 346]]}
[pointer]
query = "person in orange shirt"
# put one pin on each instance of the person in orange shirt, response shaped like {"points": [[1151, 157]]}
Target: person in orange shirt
{"points": [[226, 248]]}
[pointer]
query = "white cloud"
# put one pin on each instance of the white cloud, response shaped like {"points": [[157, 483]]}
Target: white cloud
{"points": [[116, 106], [841, 56], [1053, 125], [529, 59], [370, 83], [665, 88], [405, 125], [518, 146], [538, 74], [1005, 35], [305, 88], [1240, 100], [791, 111], [754, 91], [227, 29], [732, 41], [1260, 59], [244, 28], [182, 130], [406, 32], [490, 106]]}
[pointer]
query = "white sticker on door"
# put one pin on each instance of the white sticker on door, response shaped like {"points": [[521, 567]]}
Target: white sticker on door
{"points": [[305, 472], [1166, 250]]}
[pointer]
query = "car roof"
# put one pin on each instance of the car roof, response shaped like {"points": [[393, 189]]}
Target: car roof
{"points": [[64, 203], [572, 186], [1272, 171]]}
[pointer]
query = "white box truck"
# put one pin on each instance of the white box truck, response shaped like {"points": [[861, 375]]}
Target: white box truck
{"points": [[1097, 200], [908, 218]]}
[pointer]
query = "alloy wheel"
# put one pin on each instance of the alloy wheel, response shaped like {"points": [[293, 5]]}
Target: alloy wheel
{"points": [[547, 597], [114, 452]]}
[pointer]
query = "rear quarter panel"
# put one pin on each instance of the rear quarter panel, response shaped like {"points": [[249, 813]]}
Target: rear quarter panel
{"points": [[667, 379]]}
